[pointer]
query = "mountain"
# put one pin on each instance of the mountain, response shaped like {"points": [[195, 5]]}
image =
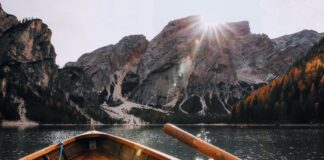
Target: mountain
{"points": [[295, 97], [192, 73], [31, 82], [6, 20], [188, 73]]}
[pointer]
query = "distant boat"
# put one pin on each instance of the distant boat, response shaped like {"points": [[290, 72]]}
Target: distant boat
{"points": [[95, 145]]}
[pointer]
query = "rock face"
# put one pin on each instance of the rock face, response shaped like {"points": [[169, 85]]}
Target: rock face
{"points": [[295, 97], [6, 20], [27, 66], [78, 91], [108, 66], [27, 44], [33, 86], [291, 48], [31, 83], [186, 64], [203, 70], [189, 73]]}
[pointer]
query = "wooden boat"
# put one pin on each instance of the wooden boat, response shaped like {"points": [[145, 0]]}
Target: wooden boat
{"points": [[101, 146]]}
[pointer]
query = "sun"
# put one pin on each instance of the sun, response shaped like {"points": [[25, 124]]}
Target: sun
{"points": [[209, 22], [209, 28]]}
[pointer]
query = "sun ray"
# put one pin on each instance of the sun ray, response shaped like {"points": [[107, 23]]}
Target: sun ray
{"points": [[200, 34]]}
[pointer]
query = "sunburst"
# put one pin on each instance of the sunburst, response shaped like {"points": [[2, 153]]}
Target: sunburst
{"points": [[203, 30]]}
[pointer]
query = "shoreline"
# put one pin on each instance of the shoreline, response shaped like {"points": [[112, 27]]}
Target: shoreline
{"points": [[13, 124]]}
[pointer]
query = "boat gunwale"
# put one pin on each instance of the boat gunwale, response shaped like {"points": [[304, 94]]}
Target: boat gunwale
{"points": [[94, 134]]}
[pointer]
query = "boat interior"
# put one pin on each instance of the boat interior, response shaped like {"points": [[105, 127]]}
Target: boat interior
{"points": [[98, 146]]}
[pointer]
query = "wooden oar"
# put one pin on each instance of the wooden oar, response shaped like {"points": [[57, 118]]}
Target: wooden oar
{"points": [[205, 148]]}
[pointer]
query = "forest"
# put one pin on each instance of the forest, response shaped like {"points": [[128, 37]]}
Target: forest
{"points": [[295, 97]]}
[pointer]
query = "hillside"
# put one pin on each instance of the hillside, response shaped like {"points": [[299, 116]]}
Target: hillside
{"points": [[188, 73], [295, 97]]}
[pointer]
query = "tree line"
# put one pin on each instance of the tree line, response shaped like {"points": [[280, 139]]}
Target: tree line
{"points": [[296, 97]]}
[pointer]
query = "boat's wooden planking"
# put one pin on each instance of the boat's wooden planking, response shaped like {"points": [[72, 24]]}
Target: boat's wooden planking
{"points": [[97, 145]]}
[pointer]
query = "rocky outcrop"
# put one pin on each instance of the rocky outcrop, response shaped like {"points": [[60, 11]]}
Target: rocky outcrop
{"points": [[27, 66], [108, 66], [27, 42], [203, 70], [188, 73], [32, 86], [6, 21], [239, 28], [79, 93], [290, 48], [295, 97], [192, 71], [183, 65]]}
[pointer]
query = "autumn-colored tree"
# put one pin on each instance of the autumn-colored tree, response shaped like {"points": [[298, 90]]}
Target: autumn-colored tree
{"points": [[296, 97]]}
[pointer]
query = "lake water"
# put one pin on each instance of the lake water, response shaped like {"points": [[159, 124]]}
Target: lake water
{"points": [[281, 144]]}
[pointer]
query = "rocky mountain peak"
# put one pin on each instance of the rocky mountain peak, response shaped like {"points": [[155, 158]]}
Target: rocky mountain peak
{"points": [[197, 23], [32, 86], [111, 68], [191, 72], [27, 42], [2, 12], [6, 20], [304, 37], [240, 28], [183, 22], [186, 63], [199, 69]]}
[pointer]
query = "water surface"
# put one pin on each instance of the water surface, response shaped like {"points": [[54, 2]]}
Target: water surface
{"points": [[282, 144]]}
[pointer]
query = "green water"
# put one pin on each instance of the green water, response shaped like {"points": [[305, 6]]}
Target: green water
{"points": [[255, 144]]}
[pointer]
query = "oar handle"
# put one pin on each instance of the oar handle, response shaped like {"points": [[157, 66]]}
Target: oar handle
{"points": [[198, 144]]}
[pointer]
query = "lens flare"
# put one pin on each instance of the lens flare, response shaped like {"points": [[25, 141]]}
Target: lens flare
{"points": [[207, 22]]}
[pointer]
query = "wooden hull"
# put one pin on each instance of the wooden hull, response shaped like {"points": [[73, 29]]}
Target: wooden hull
{"points": [[99, 146]]}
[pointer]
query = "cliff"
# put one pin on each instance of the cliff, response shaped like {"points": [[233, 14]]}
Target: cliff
{"points": [[295, 97], [189, 73]]}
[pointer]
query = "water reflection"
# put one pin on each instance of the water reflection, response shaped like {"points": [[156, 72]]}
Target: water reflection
{"points": [[200, 158], [247, 144], [203, 135]]}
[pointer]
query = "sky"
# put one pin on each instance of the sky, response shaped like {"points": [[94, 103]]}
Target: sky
{"points": [[81, 26]]}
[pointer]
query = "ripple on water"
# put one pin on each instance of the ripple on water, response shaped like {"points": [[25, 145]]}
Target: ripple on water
{"points": [[248, 144]]}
